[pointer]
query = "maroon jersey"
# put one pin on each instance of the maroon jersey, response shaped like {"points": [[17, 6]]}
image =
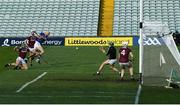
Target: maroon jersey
{"points": [[124, 55], [23, 52], [31, 42]]}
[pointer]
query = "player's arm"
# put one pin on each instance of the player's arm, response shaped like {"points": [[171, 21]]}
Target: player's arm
{"points": [[131, 56], [44, 38], [108, 52], [26, 41], [119, 55], [17, 49], [102, 49], [37, 35]]}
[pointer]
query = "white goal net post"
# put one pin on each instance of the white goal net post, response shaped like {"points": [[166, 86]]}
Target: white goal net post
{"points": [[158, 59]]}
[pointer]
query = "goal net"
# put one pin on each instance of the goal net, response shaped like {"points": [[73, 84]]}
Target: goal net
{"points": [[160, 54]]}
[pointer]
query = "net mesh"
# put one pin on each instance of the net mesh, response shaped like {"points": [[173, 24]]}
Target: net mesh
{"points": [[175, 77], [151, 28], [160, 54]]}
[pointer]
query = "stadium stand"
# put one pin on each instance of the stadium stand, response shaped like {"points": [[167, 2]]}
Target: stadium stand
{"points": [[60, 17], [126, 15]]}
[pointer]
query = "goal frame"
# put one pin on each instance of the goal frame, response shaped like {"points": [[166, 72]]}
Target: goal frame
{"points": [[160, 33]]}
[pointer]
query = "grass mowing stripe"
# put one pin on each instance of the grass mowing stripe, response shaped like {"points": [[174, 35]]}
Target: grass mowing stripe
{"points": [[138, 94], [70, 96], [28, 83], [90, 92]]}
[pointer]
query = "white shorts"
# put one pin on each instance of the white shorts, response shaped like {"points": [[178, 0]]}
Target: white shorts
{"points": [[112, 61], [22, 61], [36, 45], [31, 49], [127, 64]]}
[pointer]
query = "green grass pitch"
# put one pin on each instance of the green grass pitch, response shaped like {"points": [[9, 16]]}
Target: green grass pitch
{"points": [[70, 80]]}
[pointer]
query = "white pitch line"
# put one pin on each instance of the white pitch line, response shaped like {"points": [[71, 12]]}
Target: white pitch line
{"points": [[138, 94], [28, 83]]}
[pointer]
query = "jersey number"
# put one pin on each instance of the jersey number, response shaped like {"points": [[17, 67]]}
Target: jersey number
{"points": [[123, 52]]}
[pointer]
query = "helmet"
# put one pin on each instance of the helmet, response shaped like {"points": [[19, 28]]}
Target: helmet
{"points": [[23, 45], [33, 32], [124, 44], [16, 48], [111, 43], [47, 33]]}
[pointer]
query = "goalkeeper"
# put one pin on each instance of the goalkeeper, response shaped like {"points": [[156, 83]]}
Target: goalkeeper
{"points": [[111, 60]]}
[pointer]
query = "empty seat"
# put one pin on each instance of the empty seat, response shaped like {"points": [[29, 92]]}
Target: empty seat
{"points": [[126, 15], [61, 16]]}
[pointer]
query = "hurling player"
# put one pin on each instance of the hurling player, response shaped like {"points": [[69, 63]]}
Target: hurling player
{"points": [[30, 41], [111, 53], [124, 61], [38, 44], [20, 61]]}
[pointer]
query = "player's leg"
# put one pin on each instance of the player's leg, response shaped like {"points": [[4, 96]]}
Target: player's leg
{"points": [[122, 67], [131, 73], [18, 61], [131, 70], [16, 64], [31, 56], [102, 66], [122, 74], [112, 63], [39, 51], [23, 64], [114, 68], [37, 46], [10, 65], [38, 55]]}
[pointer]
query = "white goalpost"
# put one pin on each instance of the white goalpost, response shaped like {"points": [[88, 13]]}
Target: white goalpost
{"points": [[141, 42]]}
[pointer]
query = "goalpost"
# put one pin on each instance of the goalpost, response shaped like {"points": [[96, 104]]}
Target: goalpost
{"points": [[158, 54]]}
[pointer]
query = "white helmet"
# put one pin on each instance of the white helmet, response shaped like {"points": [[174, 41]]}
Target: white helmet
{"points": [[124, 44]]}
